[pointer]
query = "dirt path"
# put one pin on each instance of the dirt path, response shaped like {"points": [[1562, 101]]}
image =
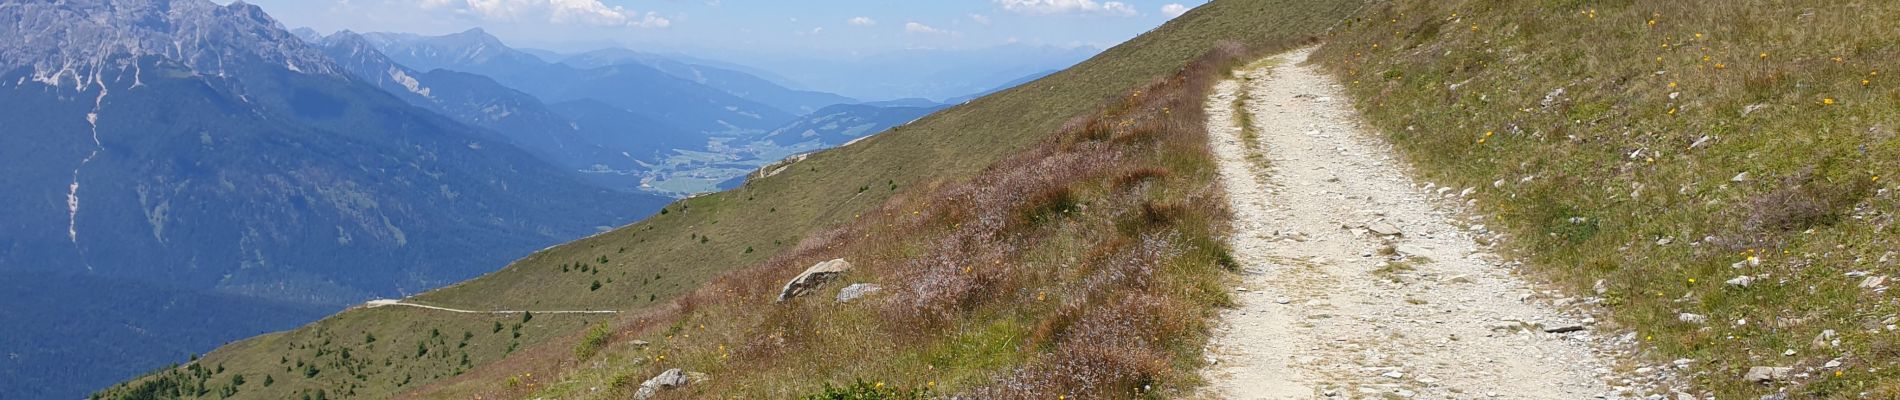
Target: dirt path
{"points": [[1359, 282], [388, 302]]}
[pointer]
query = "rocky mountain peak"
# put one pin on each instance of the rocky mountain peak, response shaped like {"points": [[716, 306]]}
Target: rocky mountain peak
{"points": [[72, 42]]}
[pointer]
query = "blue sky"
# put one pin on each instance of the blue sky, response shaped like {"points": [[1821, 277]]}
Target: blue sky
{"points": [[828, 26]]}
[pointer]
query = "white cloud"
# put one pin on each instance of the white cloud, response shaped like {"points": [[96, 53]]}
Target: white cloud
{"points": [[913, 27], [980, 19], [1174, 9], [1053, 7], [585, 12], [863, 21]]}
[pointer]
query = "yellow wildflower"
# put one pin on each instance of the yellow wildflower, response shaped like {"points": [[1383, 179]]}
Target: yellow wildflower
{"points": [[1672, 85], [1828, 101], [1691, 280]]}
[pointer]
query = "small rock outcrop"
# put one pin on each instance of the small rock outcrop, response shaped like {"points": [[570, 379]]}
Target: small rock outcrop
{"points": [[814, 277], [853, 292], [1873, 282], [1382, 228], [1767, 374], [671, 379]]}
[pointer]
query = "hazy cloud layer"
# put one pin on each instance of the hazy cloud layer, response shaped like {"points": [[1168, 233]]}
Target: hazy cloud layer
{"points": [[587, 12]]}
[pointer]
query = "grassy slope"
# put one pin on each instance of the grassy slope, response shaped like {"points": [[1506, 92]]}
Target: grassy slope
{"points": [[1084, 264], [651, 262], [1606, 181]]}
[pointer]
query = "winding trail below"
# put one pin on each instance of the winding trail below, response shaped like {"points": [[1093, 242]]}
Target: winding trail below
{"points": [[1359, 282], [390, 302]]}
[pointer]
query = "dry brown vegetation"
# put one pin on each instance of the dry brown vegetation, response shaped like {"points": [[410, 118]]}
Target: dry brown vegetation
{"points": [[1052, 223], [1086, 266]]}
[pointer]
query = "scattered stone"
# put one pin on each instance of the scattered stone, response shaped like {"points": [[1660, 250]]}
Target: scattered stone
{"points": [[1282, 300], [813, 277], [1699, 142], [1873, 282], [1742, 281], [1774, 396], [1394, 375], [853, 292], [640, 343], [1384, 229], [1752, 108], [1564, 328], [671, 379], [1827, 338], [1697, 319], [1409, 250], [1551, 98], [1741, 177], [1760, 374], [1601, 287]]}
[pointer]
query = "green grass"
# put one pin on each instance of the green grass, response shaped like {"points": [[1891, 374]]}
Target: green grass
{"points": [[1613, 180], [410, 347]]}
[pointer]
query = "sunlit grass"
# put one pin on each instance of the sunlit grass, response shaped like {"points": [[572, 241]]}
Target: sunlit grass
{"points": [[1665, 148]]}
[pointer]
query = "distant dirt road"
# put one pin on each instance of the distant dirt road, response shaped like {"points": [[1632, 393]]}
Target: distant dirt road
{"points": [[1360, 283], [389, 302]]}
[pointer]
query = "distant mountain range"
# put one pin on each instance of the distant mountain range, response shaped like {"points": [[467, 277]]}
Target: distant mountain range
{"points": [[190, 151], [631, 86], [745, 85], [942, 75], [182, 173], [475, 100]]}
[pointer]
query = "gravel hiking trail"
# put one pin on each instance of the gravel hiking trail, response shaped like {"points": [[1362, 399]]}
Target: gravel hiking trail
{"points": [[1358, 282], [392, 302]]}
